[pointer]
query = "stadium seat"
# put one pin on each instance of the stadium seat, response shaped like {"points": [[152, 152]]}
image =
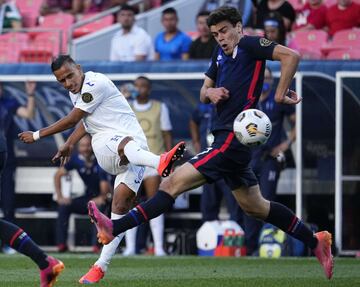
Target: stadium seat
{"points": [[11, 44], [42, 48], [93, 26], [309, 43], [343, 40], [62, 21], [350, 54], [29, 10]]}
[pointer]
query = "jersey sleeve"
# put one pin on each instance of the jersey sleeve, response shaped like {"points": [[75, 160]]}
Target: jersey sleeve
{"points": [[93, 94], [185, 44], [260, 48], [165, 122], [212, 71]]}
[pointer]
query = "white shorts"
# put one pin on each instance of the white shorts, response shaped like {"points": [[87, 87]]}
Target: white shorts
{"points": [[105, 147], [150, 172]]}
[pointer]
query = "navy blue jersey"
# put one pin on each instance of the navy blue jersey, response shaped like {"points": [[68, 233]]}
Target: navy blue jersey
{"points": [[242, 74], [90, 174], [276, 113], [8, 108], [204, 116]]}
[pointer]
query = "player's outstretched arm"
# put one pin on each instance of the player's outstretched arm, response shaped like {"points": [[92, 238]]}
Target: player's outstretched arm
{"points": [[289, 62], [61, 125]]}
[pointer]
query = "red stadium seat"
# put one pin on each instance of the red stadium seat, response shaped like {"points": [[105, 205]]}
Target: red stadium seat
{"points": [[29, 10], [309, 43], [350, 54], [42, 48], [11, 44], [62, 21], [93, 26], [343, 40]]}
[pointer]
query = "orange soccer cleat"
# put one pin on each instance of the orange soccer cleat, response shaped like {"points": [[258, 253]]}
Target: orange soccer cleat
{"points": [[167, 159], [323, 252], [94, 275]]}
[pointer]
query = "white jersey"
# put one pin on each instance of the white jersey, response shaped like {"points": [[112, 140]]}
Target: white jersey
{"points": [[107, 108]]}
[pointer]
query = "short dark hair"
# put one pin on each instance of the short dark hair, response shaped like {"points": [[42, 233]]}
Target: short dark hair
{"points": [[203, 13], [169, 10], [145, 79], [60, 60], [224, 13], [126, 7]]}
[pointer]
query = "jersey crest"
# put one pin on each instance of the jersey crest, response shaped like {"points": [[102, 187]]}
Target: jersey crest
{"points": [[264, 42], [87, 97]]}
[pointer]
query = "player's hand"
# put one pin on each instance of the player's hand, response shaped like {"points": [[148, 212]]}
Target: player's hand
{"points": [[26, 137], [63, 154], [291, 98], [217, 95]]}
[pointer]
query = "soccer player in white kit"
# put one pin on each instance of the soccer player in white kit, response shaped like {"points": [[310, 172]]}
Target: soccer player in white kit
{"points": [[118, 141]]}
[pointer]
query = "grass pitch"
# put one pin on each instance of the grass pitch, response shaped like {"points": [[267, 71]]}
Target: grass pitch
{"points": [[17, 270]]}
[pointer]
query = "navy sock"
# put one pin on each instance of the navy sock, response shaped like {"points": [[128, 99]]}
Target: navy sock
{"points": [[16, 238], [286, 220], [158, 204]]}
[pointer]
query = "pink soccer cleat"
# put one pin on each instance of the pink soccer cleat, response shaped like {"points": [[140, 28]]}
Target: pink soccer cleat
{"points": [[49, 275], [103, 224], [323, 252], [94, 275], [167, 159]]}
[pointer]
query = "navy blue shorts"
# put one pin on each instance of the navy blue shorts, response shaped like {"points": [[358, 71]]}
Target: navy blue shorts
{"points": [[226, 159]]}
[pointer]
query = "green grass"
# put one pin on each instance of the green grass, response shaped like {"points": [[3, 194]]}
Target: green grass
{"points": [[17, 270]]}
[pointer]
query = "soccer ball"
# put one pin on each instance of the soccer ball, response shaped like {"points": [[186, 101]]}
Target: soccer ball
{"points": [[252, 127]]}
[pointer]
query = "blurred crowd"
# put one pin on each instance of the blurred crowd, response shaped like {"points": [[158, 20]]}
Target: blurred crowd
{"points": [[294, 23]]}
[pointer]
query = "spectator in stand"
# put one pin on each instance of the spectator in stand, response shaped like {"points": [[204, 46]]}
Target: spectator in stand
{"points": [[311, 16], [203, 46], [172, 44], [274, 28], [343, 15], [95, 6], [11, 109], [10, 17], [283, 7], [131, 43], [97, 187], [55, 6]]}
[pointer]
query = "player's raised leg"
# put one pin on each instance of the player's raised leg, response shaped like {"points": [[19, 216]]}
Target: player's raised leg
{"points": [[16, 238], [137, 155], [184, 178], [253, 203]]}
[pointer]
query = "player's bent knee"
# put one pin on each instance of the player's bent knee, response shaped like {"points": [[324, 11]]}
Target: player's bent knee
{"points": [[169, 186], [121, 146]]}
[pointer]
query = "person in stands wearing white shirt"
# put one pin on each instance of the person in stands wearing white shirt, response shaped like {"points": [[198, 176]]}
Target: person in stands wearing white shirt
{"points": [[118, 141], [131, 43]]}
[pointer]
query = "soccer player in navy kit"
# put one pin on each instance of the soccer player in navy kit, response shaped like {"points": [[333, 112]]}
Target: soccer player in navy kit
{"points": [[233, 83]]}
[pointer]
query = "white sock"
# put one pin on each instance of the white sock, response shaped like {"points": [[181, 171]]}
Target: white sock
{"points": [[130, 237], [136, 155], [109, 250], [157, 230]]}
